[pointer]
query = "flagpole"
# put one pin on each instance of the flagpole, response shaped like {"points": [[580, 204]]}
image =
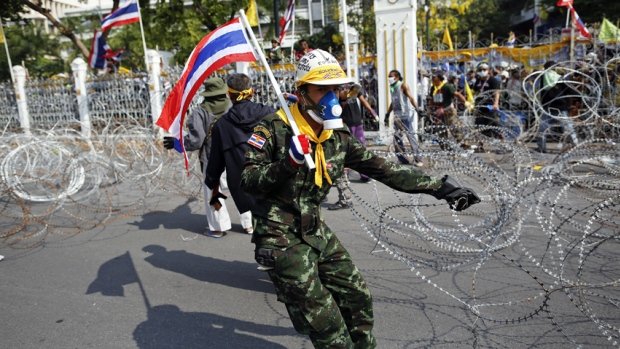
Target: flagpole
{"points": [[146, 59], [6, 47], [274, 83], [293, 37]]}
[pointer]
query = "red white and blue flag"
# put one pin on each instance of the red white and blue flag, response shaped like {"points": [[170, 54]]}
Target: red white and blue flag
{"points": [[579, 24], [257, 141], [98, 50], [564, 3], [224, 45], [286, 20], [126, 13]]}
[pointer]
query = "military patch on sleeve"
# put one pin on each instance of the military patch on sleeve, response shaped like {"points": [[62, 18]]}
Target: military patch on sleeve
{"points": [[256, 141], [262, 130]]}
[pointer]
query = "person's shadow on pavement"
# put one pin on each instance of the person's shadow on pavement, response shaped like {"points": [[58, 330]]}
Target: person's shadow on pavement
{"points": [[168, 327], [236, 274], [180, 218]]}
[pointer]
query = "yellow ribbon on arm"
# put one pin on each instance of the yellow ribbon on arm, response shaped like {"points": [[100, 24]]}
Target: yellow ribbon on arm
{"points": [[319, 155]]}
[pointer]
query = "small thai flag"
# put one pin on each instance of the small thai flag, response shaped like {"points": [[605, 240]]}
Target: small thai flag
{"points": [[256, 141], [126, 13], [98, 50], [579, 24], [224, 45]]}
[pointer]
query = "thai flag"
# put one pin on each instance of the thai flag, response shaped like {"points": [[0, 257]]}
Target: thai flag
{"points": [[98, 50], [579, 24], [226, 44], [126, 13], [564, 3], [287, 19]]}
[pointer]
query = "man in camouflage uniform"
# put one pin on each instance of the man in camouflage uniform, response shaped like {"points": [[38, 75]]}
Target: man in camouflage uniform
{"points": [[324, 293]]}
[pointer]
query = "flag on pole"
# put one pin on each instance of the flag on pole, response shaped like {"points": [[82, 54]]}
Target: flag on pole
{"points": [[286, 20], [469, 96], [564, 3], [252, 13], [98, 50], [113, 275], [579, 24], [126, 13], [447, 39], [226, 44], [609, 32]]}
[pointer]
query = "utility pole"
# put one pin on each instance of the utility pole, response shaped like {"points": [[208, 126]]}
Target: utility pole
{"points": [[276, 6]]}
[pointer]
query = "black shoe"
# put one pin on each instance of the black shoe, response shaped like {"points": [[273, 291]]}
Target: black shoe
{"points": [[339, 205]]}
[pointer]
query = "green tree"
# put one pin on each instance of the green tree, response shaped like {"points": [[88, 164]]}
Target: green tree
{"points": [[364, 23], [40, 52]]}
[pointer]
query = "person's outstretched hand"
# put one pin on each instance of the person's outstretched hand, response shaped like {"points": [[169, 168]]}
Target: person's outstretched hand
{"points": [[458, 198], [172, 143]]}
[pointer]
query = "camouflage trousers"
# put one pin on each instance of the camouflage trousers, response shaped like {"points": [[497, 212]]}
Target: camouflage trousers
{"points": [[325, 294]]}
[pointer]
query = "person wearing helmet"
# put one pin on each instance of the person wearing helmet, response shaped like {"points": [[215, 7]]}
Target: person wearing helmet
{"points": [[313, 274]]}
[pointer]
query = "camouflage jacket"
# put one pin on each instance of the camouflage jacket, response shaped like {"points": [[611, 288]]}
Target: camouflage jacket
{"points": [[288, 197]]}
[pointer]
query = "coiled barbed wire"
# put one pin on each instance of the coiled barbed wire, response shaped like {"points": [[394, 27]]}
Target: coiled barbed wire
{"points": [[548, 221]]}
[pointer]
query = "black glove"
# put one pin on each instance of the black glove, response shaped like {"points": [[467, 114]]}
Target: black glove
{"points": [[215, 199], [169, 142], [386, 120], [457, 197]]}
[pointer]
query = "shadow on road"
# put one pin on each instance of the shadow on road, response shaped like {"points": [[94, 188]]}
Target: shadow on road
{"points": [[169, 327], [179, 218], [236, 274]]}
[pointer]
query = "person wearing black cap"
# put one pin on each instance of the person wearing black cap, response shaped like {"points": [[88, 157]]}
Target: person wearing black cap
{"points": [[198, 137]]}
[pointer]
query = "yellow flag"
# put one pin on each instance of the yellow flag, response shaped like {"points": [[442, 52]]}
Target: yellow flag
{"points": [[468, 94], [446, 39], [252, 13], [609, 32], [1, 35]]}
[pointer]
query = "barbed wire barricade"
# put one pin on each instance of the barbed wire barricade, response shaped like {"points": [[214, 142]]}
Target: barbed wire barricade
{"points": [[540, 251]]}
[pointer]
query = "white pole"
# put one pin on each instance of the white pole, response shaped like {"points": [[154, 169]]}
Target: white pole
{"points": [[79, 68], [6, 47], [21, 98], [146, 60], [345, 26], [155, 92], [567, 16], [274, 83], [414, 62]]}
